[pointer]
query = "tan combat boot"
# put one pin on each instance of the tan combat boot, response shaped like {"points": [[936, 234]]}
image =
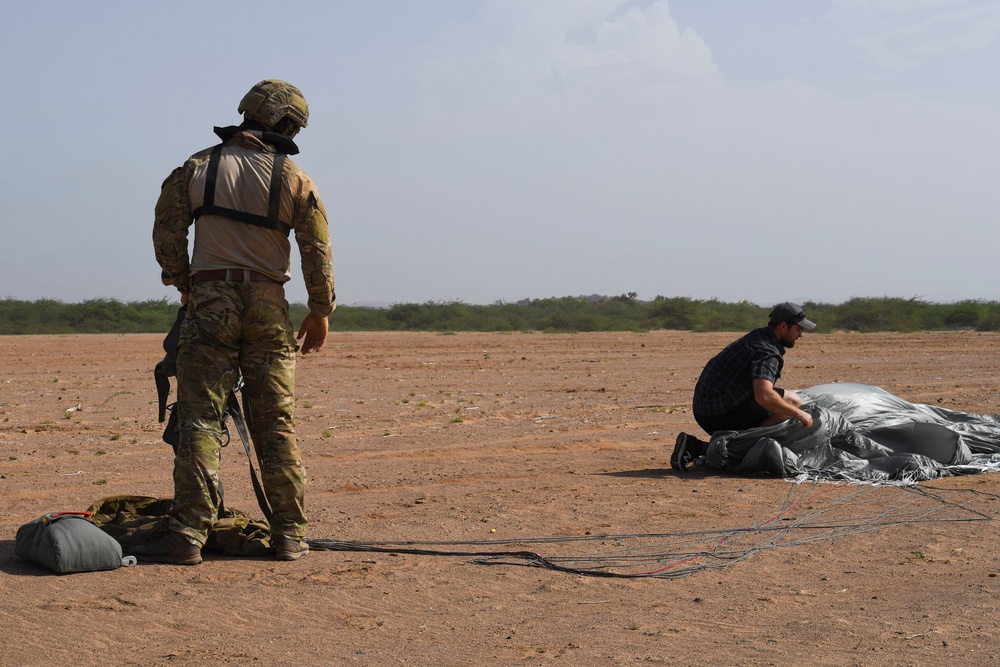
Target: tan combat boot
{"points": [[289, 548]]}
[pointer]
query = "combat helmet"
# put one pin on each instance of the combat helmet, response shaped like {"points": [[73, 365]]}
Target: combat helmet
{"points": [[271, 100]]}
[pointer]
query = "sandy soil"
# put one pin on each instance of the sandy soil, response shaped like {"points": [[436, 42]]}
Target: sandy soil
{"points": [[478, 437]]}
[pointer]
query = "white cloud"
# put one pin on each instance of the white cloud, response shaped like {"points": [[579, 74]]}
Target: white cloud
{"points": [[642, 36], [523, 44], [902, 6], [914, 31]]}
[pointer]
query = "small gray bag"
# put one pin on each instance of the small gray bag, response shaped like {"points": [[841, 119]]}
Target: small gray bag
{"points": [[68, 542]]}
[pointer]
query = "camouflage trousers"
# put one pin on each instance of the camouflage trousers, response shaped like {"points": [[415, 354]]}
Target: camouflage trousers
{"points": [[235, 328]]}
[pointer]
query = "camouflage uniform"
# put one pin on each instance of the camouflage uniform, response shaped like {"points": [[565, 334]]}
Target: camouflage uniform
{"points": [[239, 323]]}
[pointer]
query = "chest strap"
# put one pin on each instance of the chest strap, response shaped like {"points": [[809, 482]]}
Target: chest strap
{"points": [[270, 221]]}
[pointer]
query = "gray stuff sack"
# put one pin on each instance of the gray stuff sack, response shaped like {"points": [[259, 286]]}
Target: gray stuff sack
{"points": [[66, 542]]}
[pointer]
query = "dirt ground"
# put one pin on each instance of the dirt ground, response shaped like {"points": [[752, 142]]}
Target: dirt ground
{"points": [[497, 437]]}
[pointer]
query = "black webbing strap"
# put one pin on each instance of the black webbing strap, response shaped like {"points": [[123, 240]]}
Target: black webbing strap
{"points": [[166, 368], [233, 409], [274, 198], [270, 221]]}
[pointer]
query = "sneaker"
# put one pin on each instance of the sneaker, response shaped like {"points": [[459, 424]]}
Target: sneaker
{"points": [[687, 450], [174, 548], [289, 548]]}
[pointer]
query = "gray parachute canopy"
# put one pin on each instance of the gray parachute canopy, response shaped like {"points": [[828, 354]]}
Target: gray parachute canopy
{"points": [[863, 433]]}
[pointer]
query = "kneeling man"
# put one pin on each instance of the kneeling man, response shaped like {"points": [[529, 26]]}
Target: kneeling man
{"points": [[736, 389]]}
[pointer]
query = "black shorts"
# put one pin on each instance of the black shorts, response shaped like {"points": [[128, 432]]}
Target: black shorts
{"points": [[748, 415]]}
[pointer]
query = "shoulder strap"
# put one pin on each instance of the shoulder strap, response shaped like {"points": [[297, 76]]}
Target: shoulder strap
{"points": [[270, 221]]}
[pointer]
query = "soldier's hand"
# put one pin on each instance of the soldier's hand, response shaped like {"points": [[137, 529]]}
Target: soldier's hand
{"points": [[314, 328], [805, 418]]}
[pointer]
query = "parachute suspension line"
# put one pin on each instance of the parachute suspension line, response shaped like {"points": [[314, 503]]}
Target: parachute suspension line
{"points": [[809, 513]]}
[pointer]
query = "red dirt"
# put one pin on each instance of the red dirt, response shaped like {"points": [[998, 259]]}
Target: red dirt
{"points": [[453, 437]]}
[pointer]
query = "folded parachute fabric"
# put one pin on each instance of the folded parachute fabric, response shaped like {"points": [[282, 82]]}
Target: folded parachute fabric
{"points": [[863, 433], [134, 520]]}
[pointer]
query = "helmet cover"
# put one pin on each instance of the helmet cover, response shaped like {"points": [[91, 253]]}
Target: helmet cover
{"points": [[271, 100]]}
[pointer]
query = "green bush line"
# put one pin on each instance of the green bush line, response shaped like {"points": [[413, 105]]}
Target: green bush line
{"points": [[563, 314]]}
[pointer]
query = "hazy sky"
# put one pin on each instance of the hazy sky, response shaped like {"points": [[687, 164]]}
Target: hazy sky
{"points": [[485, 150]]}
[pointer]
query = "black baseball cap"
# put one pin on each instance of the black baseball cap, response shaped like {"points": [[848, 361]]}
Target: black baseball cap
{"points": [[791, 313]]}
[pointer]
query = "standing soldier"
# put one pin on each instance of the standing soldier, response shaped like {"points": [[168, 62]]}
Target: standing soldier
{"points": [[245, 198]]}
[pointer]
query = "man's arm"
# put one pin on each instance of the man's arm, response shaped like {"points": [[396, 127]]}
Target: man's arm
{"points": [[782, 409], [170, 231], [312, 234]]}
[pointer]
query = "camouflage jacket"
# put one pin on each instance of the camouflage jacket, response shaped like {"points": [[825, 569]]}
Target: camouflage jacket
{"points": [[224, 243]]}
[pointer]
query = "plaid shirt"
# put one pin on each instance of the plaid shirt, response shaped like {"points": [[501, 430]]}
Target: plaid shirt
{"points": [[727, 381]]}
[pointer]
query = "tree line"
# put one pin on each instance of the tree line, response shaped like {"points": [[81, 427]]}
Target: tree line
{"points": [[558, 314]]}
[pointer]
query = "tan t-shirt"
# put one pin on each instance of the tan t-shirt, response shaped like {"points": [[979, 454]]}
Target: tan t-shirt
{"points": [[243, 184]]}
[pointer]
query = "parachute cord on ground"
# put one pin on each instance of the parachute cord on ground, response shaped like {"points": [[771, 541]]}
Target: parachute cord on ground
{"points": [[809, 513]]}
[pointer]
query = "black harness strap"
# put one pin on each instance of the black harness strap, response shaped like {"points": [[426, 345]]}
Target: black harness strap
{"points": [[270, 221], [274, 198], [233, 410], [167, 367]]}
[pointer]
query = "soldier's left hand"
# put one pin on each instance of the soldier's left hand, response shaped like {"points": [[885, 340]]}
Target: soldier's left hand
{"points": [[314, 328]]}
